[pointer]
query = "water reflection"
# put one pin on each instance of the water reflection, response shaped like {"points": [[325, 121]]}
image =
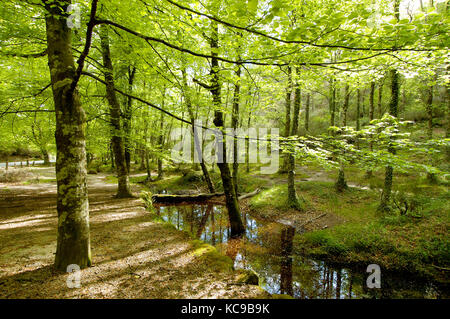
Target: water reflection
{"points": [[268, 249]]}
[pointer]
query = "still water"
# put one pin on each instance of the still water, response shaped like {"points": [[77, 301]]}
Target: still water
{"points": [[268, 248]]}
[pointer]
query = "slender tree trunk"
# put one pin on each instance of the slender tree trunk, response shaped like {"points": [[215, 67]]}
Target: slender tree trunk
{"points": [[380, 99], [234, 214], [429, 108], [308, 101], [46, 157], [358, 109], [332, 102], [197, 140], [128, 113], [287, 128], [292, 199], [393, 110], [161, 139], [346, 105], [117, 140], [234, 125], [73, 243], [369, 173], [247, 145]]}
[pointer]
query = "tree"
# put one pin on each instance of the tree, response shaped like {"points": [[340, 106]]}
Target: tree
{"points": [[123, 190], [73, 243]]}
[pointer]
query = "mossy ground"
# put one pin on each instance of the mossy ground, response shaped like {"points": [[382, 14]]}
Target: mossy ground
{"points": [[416, 242]]}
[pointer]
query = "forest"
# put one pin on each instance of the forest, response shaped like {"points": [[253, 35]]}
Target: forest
{"points": [[243, 149]]}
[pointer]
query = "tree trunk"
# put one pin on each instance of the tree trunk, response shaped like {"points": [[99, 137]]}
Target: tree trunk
{"points": [[308, 101], [369, 173], [234, 125], [393, 110], [287, 128], [234, 214], [161, 140], [114, 109], [197, 141], [46, 157], [292, 199], [429, 108], [332, 102], [346, 105], [128, 113], [380, 100], [73, 243]]}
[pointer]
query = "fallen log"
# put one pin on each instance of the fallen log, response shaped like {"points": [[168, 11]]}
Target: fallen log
{"points": [[255, 192], [172, 199], [189, 198]]}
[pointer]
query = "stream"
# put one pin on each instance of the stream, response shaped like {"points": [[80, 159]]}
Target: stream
{"points": [[268, 249]]}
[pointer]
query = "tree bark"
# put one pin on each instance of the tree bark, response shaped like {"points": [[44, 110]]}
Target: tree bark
{"points": [[393, 110], [114, 109], [128, 113], [234, 125], [369, 173], [234, 214], [197, 141], [346, 104], [73, 242], [287, 128], [308, 101], [292, 199]]}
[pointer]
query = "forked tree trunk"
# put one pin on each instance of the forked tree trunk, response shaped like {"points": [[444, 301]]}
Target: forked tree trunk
{"points": [[73, 243], [114, 109]]}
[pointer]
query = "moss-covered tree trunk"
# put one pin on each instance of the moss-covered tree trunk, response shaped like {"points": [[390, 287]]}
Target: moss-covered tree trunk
{"points": [[234, 214], [124, 190], [73, 242]]}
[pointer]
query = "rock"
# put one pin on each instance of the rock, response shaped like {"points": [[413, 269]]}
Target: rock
{"points": [[247, 276]]}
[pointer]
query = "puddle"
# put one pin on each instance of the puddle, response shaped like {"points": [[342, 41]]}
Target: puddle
{"points": [[268, 249]]}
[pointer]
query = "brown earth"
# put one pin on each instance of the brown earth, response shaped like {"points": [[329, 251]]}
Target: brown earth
{"points": [[133, 255]]}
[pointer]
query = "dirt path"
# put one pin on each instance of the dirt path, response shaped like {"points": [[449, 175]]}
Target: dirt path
{"points": [[133, 256]]}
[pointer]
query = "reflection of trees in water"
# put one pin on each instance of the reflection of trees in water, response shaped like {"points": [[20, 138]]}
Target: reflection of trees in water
{"points": [[267, 248], [287, 237]]}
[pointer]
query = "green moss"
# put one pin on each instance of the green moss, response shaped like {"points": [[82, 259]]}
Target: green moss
{"points": [[210, 255]]}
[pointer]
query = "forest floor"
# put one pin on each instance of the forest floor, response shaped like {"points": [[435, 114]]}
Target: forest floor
{"points": [[133, 255]]}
